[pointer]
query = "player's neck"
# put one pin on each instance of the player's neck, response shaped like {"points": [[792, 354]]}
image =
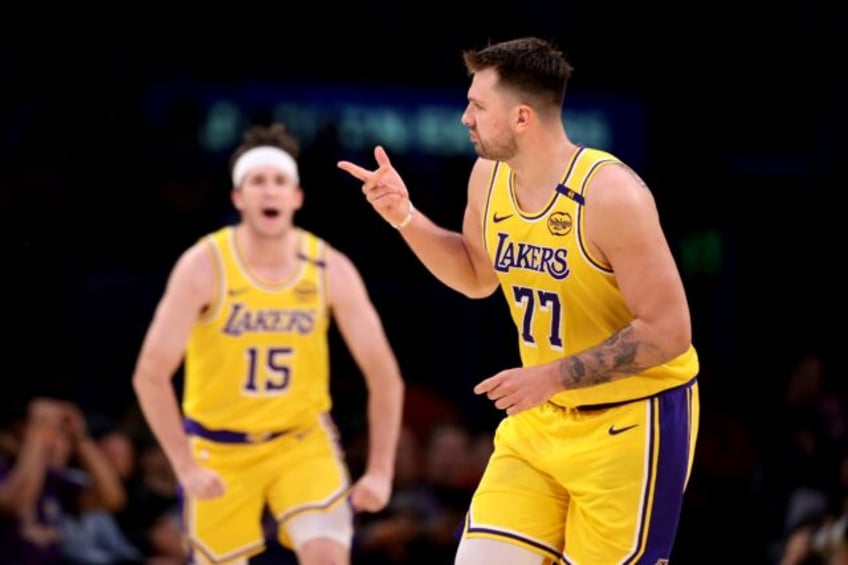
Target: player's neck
{"points": [[271, 257], [540, 165]]}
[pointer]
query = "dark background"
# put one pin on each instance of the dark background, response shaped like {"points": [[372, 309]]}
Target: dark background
{"points": [[743, 140]]}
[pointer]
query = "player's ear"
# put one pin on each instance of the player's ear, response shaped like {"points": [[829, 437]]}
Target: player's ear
{"points": [[523, 116], [236, 197], [298, 198]]}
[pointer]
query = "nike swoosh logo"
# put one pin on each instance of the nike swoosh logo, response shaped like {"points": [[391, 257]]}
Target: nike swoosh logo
{"points": [[615, 431], [497, 219], [237, 291]]}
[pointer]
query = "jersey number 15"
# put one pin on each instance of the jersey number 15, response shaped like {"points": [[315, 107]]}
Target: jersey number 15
{"points": [[268, 370]]}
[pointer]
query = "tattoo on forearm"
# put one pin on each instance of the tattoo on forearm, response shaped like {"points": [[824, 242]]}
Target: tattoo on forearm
{"points": [[613, 359]]}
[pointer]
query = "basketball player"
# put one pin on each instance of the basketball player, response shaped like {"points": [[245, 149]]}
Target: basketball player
{"points": [[592, 459], [248, 308]]}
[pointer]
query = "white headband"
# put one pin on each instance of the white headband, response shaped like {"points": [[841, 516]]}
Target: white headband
{"points": [[265, 155]]}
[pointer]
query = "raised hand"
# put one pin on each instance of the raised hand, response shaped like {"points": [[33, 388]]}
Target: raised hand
{"points": [[382, 187]]}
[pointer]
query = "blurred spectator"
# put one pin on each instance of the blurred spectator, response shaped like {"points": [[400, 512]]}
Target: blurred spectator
{"points": [[166, 540], [42, 496], [798, 549], [151, 519], [814, 417], [117, 447], [830, 541], [399, 533], [93, 536], [810, 397]]}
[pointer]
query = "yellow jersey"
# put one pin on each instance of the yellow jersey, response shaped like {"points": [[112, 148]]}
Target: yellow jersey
{"points": [[257, 360], [561, 298]]}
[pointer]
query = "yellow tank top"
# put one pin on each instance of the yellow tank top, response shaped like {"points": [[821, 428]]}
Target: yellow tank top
{"points": [[257, 360], [561, 299]]}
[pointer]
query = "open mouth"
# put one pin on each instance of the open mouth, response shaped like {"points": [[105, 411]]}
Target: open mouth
{"points": [[270, 212]]}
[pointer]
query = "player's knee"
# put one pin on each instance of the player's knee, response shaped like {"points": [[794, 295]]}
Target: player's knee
{"points": [[323, 537], [478, 550], [323, 551]]}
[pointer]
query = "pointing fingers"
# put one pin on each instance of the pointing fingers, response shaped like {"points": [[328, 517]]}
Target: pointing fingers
{"points": [[360, 173], [487, 385], [370, 179], [382, 157]]}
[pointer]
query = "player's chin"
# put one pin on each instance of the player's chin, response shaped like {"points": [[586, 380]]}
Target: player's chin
{"points": [[268, 228]]}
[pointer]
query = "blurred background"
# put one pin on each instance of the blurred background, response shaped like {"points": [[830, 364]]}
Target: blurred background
{"points": [[114, 140]]}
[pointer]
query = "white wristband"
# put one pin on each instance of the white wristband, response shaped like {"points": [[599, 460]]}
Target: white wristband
{"points": [[406, 220]]}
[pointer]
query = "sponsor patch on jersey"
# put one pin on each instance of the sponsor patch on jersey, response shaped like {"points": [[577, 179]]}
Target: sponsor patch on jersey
{"points": [[305, 290], [560, 223]]}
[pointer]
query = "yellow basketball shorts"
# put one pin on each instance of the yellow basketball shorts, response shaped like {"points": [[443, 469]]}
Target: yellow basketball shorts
{"points": [[299, 471], [586, 486]]}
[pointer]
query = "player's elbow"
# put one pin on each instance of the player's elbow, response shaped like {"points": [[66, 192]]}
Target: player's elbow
{"points": [[393, 385], [147, 375], [676, 337], [141, 378], [677, 347]]}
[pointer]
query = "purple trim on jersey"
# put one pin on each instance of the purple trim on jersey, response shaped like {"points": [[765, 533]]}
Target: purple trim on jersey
{"points": [[195, 428], [580, 148], [673, 407], [547, 209], [320, 263], [467, 527], [324, 277], [492, 183], [342, 497], [607, 405], [568, 193], [182, 510], [460, 528], [579, 221], [514, 536]]}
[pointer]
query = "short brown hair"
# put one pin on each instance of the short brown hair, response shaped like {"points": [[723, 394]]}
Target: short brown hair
{"points": [[528, 65], [274, 135]]}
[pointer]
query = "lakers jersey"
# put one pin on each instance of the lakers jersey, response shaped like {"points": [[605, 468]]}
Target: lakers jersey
{"points": [[257, 360], [561, 298]]}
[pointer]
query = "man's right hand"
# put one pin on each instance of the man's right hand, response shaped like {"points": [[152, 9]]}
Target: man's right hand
{"points": [[201, 483], [382, 187]]}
